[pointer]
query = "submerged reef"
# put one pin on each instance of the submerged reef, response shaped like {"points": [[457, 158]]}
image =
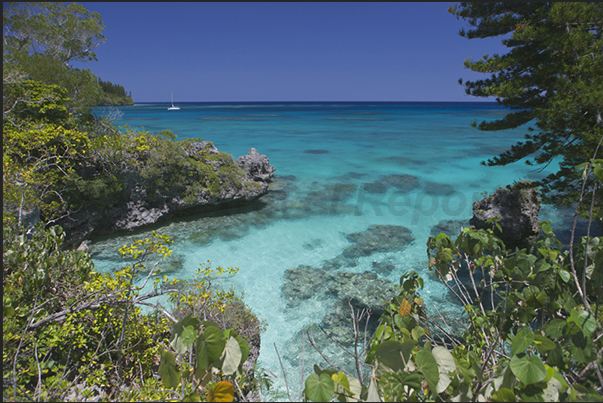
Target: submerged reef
{"points": [[402, 182], [345, 288], [310, 151], [438, 189], [378, 238], [360, 290]]}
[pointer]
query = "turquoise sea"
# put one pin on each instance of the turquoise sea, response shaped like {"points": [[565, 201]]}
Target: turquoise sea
{"points": [[340, 168]]}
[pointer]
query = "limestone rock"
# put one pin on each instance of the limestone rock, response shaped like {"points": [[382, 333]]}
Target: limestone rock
{"points": [[518, 211], [238, 183], [256, 166]]}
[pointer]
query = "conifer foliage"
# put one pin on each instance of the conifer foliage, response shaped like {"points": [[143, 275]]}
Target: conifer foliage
{"points": [[551, 80]]}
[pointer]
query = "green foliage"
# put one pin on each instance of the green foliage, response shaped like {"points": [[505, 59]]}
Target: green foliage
{"points": [[42, 39], [65, 325], [67, 32], [62, 324], [534, 325], [114, 94], [214, 350], [551, 80], [42, 147], [166, 168]]}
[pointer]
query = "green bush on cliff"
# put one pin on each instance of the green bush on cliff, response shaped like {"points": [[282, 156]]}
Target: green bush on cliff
{"points": [[66, 326], [164, 166]]}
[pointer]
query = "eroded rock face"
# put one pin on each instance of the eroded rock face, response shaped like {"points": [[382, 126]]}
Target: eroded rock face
{"points": [[518, 211], [256, 166], [237, 184]]}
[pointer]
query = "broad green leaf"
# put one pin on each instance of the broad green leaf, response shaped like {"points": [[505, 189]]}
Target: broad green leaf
{"points": [[598, 170], [581, 348], [426, 364], [543, 343], [585, 320], [232, 356], [543, 267], [189, 335], [546, 227], [317, 370], [178, 329], [244, 348], [203, 376], [394, 354], [556, 356], [522, 340], [221, 392], [554, 329], [446, 364], [565, 275], [192, 397], [503, 395], [210, 346], [319, 388], [170, 376], [528, 370], [550, 371]]}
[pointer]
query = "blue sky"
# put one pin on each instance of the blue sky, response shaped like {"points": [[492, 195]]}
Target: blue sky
{"points": [[286, 51]]}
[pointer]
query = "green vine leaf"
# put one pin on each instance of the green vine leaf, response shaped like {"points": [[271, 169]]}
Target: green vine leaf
{"points": [[528, 370], [232, 356], [426, 363], [319, 388], [170, 376], [210, 346], [522, 340]]}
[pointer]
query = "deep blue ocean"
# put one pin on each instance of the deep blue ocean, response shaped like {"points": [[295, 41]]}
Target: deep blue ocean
{"points": [[340, 168]]}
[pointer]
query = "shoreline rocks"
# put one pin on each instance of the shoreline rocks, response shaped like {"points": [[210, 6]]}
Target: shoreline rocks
{"points": [[517, 207], [238, 183]]}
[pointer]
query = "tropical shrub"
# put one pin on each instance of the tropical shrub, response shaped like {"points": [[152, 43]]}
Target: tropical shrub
{"points": [[68, 328], [534, 327]]}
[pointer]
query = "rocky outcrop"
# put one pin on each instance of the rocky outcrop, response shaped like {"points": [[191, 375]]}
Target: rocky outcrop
{"points": [[517, 208], [233, 184], [256, 166]]}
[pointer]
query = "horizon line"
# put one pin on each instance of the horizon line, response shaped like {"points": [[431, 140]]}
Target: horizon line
{"points": [[382, 102]]}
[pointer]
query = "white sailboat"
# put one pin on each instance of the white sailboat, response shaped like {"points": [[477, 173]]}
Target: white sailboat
{"points": [[173, 108]]}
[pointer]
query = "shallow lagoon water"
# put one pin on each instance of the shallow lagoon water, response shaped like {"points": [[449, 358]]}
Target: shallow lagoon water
{"points": [[341, 167]]}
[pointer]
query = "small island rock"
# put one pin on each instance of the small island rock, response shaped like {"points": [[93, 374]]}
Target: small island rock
{"points": [[518, 210], [256, 166]]}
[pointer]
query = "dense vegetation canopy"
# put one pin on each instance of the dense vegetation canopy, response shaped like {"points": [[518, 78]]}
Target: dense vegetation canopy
{"points": [[41, 40], [550, 79]]}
